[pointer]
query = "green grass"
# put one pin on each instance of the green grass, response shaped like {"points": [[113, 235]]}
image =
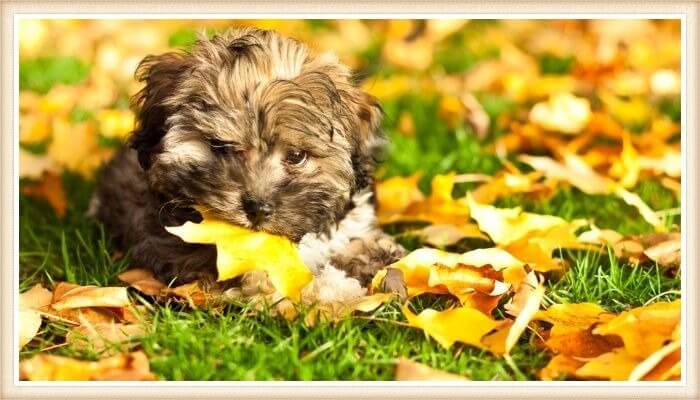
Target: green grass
{"points": [[41, 74]]}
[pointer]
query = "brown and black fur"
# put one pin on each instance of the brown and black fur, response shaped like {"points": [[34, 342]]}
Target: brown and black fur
{"points": [[257, 131]]}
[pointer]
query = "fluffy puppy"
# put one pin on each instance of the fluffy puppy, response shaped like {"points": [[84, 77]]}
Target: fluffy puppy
{"points": [[259, 132]]}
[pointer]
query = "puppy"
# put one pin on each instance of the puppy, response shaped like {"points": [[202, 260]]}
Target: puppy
{"points": [[259, 132]]}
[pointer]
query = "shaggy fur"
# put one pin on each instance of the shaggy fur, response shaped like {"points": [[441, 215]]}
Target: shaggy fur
{"points": [[257, 131]]}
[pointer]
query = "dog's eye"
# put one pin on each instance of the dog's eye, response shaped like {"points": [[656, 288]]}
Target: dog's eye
{"points": [[296, 157]]}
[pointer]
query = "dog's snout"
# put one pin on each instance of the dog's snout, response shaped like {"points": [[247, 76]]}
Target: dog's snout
{"points": [[256, 210]]}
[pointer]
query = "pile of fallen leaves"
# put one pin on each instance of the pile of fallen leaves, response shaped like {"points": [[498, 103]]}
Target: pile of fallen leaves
{"points": [[598, 127], [587, 341]]}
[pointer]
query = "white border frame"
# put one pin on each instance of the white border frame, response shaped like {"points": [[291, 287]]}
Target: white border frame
{"points": [[651, 389]]}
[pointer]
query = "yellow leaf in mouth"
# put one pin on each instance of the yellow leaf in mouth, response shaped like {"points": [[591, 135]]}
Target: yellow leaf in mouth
{"points": [[240, 250], [464, 324]]}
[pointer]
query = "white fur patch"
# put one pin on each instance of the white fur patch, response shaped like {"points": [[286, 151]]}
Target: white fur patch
{"points": [[332, 285], [316, 250], [187, 152]]}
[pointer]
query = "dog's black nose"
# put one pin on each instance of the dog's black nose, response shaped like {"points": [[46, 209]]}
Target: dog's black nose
{"points": [[256, 210]]}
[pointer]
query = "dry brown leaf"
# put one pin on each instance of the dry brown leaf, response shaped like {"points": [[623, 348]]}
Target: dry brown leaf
{"points": [[407, 370], [34, 166], [101, 336], [31, 303], [47, 367], [90, 296], [29, 322], [142, 280], [38, 298], [193, 293], [667, 254], [50, 189]]}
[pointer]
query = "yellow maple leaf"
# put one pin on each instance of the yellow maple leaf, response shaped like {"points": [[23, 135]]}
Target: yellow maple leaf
{"points": [[569, 318], [240, 250], [438, 208], [465, 325], [440, 272], [644, 329]]}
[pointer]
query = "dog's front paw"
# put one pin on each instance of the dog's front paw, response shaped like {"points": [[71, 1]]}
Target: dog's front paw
{"points": [[363, 257], [393, 282]]}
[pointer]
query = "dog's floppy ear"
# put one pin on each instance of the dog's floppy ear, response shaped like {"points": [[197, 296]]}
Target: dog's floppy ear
{"points": [[369, 142], [160, 74]]}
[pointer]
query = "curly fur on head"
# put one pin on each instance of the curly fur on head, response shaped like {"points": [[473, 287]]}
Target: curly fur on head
{"points": [[250, 119], [253, 128]]}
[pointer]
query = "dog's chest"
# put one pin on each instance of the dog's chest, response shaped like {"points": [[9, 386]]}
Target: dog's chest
{"points": [[317, 250]]}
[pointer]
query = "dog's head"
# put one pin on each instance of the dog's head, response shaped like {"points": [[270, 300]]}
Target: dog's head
{"points": [[256, 130]]}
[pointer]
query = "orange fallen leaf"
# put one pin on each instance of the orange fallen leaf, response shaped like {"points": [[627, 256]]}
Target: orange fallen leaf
{"points": [[615, 365], [47, 367], [560, 366], [582, 344], [572, 318], [436, 271], [644, 329], [407, 370], [438, 208], [49, 188], [395, 194]]}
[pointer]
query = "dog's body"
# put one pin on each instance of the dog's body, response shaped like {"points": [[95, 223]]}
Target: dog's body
{"points": [[260, 133]]}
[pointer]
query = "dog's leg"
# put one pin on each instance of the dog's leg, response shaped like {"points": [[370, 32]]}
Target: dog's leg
{"points": [[363, 257]]}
